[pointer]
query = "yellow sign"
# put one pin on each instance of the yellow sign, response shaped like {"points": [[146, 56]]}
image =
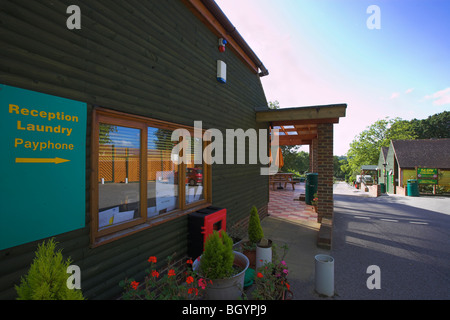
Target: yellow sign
{"points": [[36, 160]]}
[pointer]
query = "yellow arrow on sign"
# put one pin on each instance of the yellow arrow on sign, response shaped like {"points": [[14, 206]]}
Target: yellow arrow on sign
{"points": [[37, 160]]}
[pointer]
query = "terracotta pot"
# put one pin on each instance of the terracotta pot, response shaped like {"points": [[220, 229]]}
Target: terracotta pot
{"points": [[250, 254]]}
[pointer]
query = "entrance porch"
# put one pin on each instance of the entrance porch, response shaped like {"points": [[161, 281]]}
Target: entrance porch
{"points": [[313, 126]]}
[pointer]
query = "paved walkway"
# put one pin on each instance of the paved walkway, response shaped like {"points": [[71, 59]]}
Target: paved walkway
{"points": [[294, 223], [284, 204]]}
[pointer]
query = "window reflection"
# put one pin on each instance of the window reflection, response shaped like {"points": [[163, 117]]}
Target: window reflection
{"points": [[119, 174], [194, 173], [162, 173]]}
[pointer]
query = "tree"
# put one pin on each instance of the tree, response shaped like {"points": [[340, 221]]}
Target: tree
{"points": [[294, 161], [436, 126], [274, 104], [255, 231], [365, 148], [218, 257], [338, 162], [47, 277]]}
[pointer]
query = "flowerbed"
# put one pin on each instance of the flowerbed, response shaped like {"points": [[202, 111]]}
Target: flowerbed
{"points": [[173, 285], [271, 281]]}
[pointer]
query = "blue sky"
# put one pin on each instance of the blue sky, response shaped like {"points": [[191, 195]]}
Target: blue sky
{"points": [[322, 52]]}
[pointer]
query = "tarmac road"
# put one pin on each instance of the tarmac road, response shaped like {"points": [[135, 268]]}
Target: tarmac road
{"points": [[407, 238]]}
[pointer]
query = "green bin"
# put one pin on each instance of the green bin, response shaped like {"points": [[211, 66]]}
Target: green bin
{"points": [[312, 180], [412, 188], [382, 188]]}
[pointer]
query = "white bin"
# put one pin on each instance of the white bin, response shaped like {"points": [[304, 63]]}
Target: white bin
{"points": [[263, 255], [324, 275]]}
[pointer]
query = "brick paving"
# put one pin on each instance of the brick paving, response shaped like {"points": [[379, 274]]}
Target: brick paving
{"points": [[282, 205]]}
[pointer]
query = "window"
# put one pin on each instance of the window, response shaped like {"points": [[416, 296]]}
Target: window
{"points": [[162, 173], [119, 174], [136, 182], [194, 173]]}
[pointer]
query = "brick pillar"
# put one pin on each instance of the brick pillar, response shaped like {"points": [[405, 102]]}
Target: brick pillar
{"points": [[313, 160], [325, 169]]}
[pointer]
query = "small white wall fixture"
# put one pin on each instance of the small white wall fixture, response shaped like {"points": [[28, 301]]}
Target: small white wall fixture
{"points": [[221, 71]]}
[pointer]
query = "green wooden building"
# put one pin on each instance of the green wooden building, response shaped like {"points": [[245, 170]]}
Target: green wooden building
{"points": [[404, 160], [94, 96], [134, 72]]}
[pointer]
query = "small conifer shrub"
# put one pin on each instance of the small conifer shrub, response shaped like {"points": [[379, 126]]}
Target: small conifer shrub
{"points": [[47, 277], [255, 231], [218, 258]]}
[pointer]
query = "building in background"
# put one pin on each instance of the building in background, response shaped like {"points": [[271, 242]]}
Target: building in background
{"points": [[427, 161]]}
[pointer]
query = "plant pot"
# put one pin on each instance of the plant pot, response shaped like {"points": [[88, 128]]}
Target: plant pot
{"points": [[228, 288], [249, 253], [263, 254]]}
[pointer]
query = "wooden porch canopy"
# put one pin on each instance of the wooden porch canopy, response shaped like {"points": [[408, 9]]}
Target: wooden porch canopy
{"points": [[298, 125]]}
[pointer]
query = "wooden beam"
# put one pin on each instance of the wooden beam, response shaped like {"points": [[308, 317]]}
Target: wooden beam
{"points": [[293, 140], [200, 10], [315, 113], [304, 122]]}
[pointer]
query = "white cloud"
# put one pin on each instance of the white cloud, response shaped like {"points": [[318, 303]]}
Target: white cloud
{"points": [[409, 90], [440, 98], [395, 95]]}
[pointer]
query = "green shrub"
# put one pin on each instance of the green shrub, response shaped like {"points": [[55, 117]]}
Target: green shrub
{"points": [[255, 231], [47, 277], [218, 257]]}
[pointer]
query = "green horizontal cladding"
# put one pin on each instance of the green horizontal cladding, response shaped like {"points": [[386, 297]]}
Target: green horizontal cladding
{"points": [[149, 58]]}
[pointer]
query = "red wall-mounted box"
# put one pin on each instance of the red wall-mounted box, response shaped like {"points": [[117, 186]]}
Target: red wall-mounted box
{"points": [[203, 223]]}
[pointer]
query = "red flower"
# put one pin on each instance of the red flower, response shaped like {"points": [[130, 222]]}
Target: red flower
{"points": [[152, 259], [189, 280], [192, 290], [260, 275], [171, 273], [134, 285], [189, 261], [155, 274], [202, 283], [288, 286]]}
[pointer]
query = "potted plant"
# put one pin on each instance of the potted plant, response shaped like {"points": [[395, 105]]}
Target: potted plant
{"points": [[271, 281], [255, 234], [223, 268]]}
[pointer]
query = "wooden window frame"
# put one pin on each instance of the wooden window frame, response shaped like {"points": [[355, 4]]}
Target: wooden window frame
{"points": [[115, 232]]}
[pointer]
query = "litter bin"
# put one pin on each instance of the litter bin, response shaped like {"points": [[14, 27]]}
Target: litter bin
{"points": [[412, 188], [382, 188], [324, 283], [312, 180]]}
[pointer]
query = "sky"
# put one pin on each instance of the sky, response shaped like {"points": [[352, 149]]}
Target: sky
{"points": [[321, 52]]}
